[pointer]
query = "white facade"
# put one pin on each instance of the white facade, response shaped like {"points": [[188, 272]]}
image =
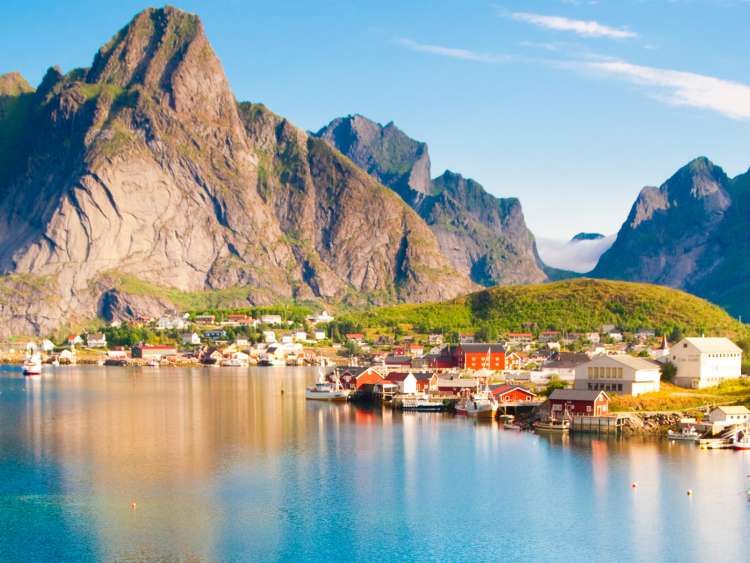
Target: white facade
{"points": [[408, 385], [269, 336], [320, 335], [271, 319], [729, 415], [621, 374], [705, 362], [191, 339]]}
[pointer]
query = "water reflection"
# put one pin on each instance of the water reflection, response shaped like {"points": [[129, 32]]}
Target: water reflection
{"points": [[231, 464]]}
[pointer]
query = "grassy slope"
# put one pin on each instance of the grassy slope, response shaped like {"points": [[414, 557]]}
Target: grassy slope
{"points": [[672, 398], [571, 305]]}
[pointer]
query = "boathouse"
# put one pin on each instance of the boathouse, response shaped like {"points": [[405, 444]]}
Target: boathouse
{"points": [[356, 377], [153, 351], [512, 394], [578, 402]]}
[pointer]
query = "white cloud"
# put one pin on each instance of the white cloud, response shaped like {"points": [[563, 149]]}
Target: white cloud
{"points": [[731, 99], [577, 256], [586, 28], [454, 53]]}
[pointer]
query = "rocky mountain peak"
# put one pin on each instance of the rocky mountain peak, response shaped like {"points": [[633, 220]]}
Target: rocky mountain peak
{"points": [[13, 84]]}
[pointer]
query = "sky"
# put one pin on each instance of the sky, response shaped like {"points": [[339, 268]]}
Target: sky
{"points": [[570, 105]]}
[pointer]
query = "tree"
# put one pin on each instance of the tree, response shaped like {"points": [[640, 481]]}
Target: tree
{"points": [[676, 335], [668, 371], [554, 383]]}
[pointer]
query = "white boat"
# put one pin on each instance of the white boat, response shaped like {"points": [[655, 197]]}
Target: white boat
{"points": [[741, 441], [688, 433], [233, 363], [552, 425], [326, 391], [422, 404], [153, 364], [481, 404], [511, 426], [32, 365]]}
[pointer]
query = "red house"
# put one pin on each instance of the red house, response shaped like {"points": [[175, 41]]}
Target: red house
{"points": [[578, 402], [512, 394], [354, 377], [447, 358], [426, 381], [481, 356]]}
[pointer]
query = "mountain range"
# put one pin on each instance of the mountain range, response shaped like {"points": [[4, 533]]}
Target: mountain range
{"points": [[141, 176]]}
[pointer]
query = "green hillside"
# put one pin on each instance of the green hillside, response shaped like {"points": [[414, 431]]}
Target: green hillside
{"points": [[571, 305]]}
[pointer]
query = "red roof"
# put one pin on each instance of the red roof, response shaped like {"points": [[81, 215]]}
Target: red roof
{"points": [[520, 334], [353, 335], [397, 376], [501, 390]]}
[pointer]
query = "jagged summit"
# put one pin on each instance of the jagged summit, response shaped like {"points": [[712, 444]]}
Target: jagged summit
{"points": [[13, 84]]}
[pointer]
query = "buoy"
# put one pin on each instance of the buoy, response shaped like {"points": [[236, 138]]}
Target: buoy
{"points": [[690, 492], [133, 505], [633, 485]]}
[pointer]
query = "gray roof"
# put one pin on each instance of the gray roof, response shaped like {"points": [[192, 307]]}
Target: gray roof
{"points": [[483, 347], [634, 362], [575, 394]]}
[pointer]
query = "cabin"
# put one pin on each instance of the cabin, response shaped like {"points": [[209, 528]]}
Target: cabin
{"points": [[705, 362], [96, 340], [426, 381], [729, 415], [191, 339], [622, 374], [578, 402], [407, 383], [456, 385], [481, 356], [356, 377], [270, 319], [153, 351], [512, 394], [74, 340]]}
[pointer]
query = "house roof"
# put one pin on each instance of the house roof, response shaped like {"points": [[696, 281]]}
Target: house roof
{"points": [[633, 362], [567, 360], [423, 375], [503, 389], [576, 395], [714, 344], [733, 410], [492, 348], [397, 376]]}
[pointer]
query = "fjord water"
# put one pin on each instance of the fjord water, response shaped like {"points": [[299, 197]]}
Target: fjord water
{"points": [[234, 465]]}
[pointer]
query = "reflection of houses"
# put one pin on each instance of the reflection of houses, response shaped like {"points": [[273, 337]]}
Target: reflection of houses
{"points": [[578, 402], [356, 377], [619, 374], [705, 362]]}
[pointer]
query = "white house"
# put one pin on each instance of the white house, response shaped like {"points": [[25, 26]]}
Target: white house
{"points": [[96, 340], [287, 339], [74, 340], [407, 383], [191, 339], [269, 336], [705, 362], [47, 346], [171, 322], [321, 318], [320, 334], [271, 319], [300, 336], [729, 415], [621, 373]]}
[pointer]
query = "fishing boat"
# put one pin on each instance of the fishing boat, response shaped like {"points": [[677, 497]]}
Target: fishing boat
{"points": [[689, 434], [325, 390], [741, 441], [32, 365], [153, 364], [481, 404], [552, 425], [233, 363]]}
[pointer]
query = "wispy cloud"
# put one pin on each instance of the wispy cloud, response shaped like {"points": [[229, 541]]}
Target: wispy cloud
{"points": [[454, 53], [585, 28], [675, 87]]}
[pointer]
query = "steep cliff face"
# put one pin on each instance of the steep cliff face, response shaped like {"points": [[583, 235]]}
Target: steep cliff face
{"points": [[483, 236], [144, 164], [691, 233]]}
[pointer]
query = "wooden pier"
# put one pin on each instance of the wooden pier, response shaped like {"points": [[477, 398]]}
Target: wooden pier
{"points": [[600, 424]]}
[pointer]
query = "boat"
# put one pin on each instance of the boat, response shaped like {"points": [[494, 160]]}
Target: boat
{"points": [[512, 426], [552, 425], [422, 404], [741, 441], [687, 433], [153, 364], [233, 363], [325, 390], [32, 365], [481, 404], [506, 418]]}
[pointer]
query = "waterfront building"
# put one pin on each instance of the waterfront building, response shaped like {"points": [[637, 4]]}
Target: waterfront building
{"points": [[96, 340], [454, 384], [726, 416], [622, 374], [406, 382], [426, 381], [578, 402], [481, 356], [705, 362], [153, 351], [512, 394], [356, 377]]}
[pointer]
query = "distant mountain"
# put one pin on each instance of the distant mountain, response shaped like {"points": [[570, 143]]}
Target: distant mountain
{"points": [[691, 233], [587, 236], [144, 168], [484, 236]]}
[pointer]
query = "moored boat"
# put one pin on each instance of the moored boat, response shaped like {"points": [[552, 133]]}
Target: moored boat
{"points": [[32, 365], [741, 441], [479, 405], [422, 404], [552, 425], [689, 434], [326, 391]]}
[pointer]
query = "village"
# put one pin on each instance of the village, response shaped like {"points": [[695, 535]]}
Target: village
{"points": [[548, 380]]}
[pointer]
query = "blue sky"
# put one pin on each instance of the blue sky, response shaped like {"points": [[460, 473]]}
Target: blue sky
{"points": [[570, 105]]}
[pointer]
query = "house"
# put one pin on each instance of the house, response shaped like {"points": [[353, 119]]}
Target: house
{"points": [[563, 365], [407, 383], [320, 318], [241, 342], [592, 337], [426, 381], [520, 338], [454, 384], [117, 354], [153, 351], [578, 402], [621, 374], [271, 319], [727, 416], [466, 338], [512, 394], [446, 358], [287, 338], [644, 334], [319, 335], [416, 350], [356, 377], [300, 336], [215, 335], [705, 362], [615, 336], [205, 319], [74, 340], [269, 336], [171, 322], [96, 340], [239, 319], [516, 360], [481, 356], [47, 345], [392, 361], [191, 339], [549, 336], [435, 339], [356, 337]]}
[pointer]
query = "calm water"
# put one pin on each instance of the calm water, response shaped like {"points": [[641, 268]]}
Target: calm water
{"points": [[224, 466]]}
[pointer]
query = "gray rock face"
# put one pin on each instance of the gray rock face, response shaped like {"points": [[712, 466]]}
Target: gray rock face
{"points": [[483, 236], [145, 166]]}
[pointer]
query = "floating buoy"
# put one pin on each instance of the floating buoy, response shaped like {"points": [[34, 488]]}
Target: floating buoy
{"points": [[633, 485], [690, 492], [133, 505]]}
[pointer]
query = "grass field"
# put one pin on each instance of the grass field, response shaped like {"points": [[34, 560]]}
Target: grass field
{"points": [[673, 398]]}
